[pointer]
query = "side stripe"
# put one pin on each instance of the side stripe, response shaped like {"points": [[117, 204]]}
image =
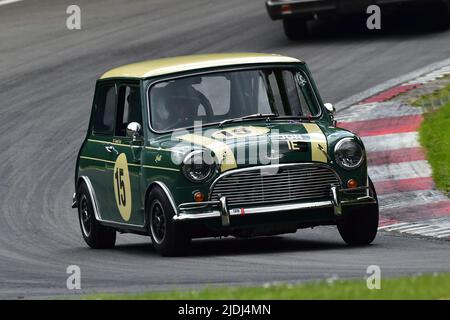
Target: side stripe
{"points": [[129, 146], [96, 159], [109, 143], [129, 164]]}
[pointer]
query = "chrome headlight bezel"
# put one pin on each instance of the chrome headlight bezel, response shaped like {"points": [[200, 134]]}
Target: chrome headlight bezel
{"points": [[338, 147], [188, 162]]}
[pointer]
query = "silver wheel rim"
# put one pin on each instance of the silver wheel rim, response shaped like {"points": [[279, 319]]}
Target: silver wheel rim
{"points": [[157, 222], [85, 216]]}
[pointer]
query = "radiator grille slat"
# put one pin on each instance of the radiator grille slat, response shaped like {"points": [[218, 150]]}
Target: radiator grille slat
{"points": [[288, 184]]}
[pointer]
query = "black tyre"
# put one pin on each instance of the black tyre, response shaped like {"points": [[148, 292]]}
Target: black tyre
{"points": [[168, 237], [95, 235], [295, 29], [359, 226]]}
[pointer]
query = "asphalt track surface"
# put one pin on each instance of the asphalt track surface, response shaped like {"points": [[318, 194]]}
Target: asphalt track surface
{"points": [[47, 76]]}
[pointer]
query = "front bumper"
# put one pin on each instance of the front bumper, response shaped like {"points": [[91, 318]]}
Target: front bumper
{"points": [[198, 211]]}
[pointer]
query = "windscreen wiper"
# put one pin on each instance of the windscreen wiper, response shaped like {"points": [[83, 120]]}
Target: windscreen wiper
{"points": [[250, 116]]}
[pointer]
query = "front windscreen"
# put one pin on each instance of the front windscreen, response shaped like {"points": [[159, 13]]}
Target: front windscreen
{"points": [[214, 97]]}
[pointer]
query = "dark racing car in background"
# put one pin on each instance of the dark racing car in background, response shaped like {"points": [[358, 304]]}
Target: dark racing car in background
{"points": [[296, 13]]}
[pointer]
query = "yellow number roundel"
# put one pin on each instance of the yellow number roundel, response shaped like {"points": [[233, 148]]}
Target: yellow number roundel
{"points": [[122, 187]]}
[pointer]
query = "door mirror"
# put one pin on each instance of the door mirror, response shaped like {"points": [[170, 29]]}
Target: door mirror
{"points": [[331, 109], [134, 130]]}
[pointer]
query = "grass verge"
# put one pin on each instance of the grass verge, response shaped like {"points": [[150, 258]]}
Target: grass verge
{"points": [[435, 286], [435, 138]]}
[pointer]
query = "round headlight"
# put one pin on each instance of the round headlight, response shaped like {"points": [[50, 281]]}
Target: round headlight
{"points": [[198, 166], [348, 153]]}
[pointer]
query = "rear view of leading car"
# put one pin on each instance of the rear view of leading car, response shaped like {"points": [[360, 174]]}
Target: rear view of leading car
{"points": [[295, 14]]}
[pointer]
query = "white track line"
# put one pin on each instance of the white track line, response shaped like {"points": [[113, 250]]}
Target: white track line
{"points": [[391, 141], [431, 76], [3, 2], [422, 229], [416, 228], [410, 199], [406, 227], [402, 170], [447, 235], [436, 232], [393, 225]]}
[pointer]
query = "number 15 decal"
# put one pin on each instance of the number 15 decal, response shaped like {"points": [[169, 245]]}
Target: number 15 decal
{"points": [[122, 187]]}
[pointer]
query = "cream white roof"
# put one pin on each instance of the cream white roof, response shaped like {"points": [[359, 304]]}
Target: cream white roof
{"points": [[158, 67]]}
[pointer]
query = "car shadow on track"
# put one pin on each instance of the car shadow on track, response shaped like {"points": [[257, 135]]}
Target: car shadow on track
{"points": [[235, 246], [265, 245], [408, 23]]}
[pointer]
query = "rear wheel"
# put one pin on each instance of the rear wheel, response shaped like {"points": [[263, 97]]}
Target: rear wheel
{"points": [[168, 237], [94, 234], [359, 226], [295, 29]]}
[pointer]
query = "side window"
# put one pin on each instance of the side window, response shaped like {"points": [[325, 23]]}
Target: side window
{"points": [[104, 109], [128, 108]]}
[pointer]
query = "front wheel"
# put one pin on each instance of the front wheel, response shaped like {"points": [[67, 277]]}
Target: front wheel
{"points": [[95, 235], [359, 226], [168, 237]]}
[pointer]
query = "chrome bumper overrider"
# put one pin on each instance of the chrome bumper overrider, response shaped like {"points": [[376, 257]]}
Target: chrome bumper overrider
{"points": [[219, 209]]}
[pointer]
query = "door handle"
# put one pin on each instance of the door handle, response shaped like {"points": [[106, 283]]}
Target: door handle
{"points": [[111, 149]]}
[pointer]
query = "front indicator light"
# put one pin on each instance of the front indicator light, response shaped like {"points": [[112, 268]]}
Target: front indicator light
{"points": [[351, 184], [199, 197]]}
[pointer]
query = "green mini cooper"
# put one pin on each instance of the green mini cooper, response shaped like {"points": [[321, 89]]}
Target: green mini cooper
{"points": [[218, 145]]}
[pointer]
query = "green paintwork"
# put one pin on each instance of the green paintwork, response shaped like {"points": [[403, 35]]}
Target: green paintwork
{"points": [[152, 160]]}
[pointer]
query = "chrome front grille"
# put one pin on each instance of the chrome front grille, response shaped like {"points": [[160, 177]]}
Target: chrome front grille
{"points": [[290, 183]]}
